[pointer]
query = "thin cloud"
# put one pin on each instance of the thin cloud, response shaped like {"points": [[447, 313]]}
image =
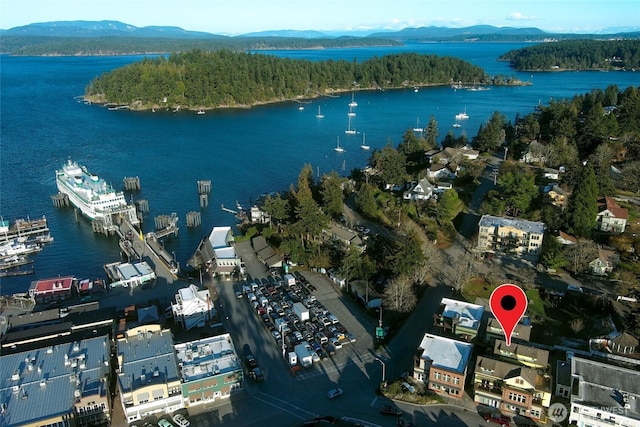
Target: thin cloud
{"points": [[517, 16]]}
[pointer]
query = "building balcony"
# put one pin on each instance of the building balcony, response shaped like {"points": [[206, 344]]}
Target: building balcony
{"points": [[492, 390]]}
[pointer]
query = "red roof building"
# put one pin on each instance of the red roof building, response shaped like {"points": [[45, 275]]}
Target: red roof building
{"points": [[611, 217], [57, 288]]}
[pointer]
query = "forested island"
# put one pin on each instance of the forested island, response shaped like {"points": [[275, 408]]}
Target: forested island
{"points": [[118, 45], [577, 55], [198, 79]]}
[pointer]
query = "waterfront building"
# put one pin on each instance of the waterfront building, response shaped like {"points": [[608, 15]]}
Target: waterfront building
{"points": [[62, 384], [148, 379], [193, 307], [441, 364], [130, 274], [55, 289], [220, 253], [209, 369]]}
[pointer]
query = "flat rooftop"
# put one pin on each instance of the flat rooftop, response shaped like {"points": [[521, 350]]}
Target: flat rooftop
{"points": [[129, 271], [446, 353], [207, 357], [55, 284], [520, 224]]}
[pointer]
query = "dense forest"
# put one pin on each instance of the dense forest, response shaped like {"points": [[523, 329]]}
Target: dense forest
{"points": [[223, 78], [577, 55], [37, 45]]}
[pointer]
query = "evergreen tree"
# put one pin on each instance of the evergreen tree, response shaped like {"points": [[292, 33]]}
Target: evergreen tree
{"points": [[582, 209], [332, 196]]}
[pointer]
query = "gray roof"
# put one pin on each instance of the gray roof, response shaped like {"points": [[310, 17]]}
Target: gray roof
{"points": [[445, 353], [207, 357], [604, 385], [540, 356], [39, 384], [520, 224], [147, 358]]}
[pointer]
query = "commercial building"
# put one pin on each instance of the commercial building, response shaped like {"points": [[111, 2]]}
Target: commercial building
{"points": [[193, 307], [461, 318], [148, 380], [55, 289], [515, 236], [130, 274], [210, 369], [63, 384], [604, 395], [441, 364]]}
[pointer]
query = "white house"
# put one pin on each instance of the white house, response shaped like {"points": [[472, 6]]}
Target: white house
{"points": [[423, 190], [193, 307], [611, 217], [605, 262]]}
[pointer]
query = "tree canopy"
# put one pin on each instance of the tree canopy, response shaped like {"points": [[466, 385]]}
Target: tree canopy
{"points": [[201, 79]]}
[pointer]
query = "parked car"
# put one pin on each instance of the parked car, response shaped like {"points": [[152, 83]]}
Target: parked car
{"points": [[256, 375], [164, 423], [408, 387], [334, 392], [335, 342], [181, 421], [390, 410], [497, 418]]}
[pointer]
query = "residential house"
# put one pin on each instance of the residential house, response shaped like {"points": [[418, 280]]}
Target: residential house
{"points": [[604, 394], [441, 364], [526, 355], [558, 196], [440, 171], [62, 384], [451, 154], [209, 368], [534, 153], [461, 318], [148, 379], [605, 262], [423, 190], [517, 236], [611, 217], [258, 216], [552, 174], [193, 308], [511, 387], [566, 239], [494, 331], [343, 236]]}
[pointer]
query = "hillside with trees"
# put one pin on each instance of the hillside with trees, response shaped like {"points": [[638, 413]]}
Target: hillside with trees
{"points": [[223, 78], [576, 55]]}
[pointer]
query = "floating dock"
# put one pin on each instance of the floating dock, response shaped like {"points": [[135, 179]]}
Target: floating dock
{"points": [[23, 229]]}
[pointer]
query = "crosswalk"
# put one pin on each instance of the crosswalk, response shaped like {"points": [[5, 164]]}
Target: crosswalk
{"points": [[324, 369]]}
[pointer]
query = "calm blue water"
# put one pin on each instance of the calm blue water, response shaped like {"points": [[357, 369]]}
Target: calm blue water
{"points": [[243, 152]]}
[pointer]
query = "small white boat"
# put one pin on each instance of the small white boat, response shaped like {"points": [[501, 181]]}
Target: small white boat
{"points": [[319, 115], [456, 125], [351, 113], [415, 89], [418, 128], [338, 148], [350, 131], [200, 111], [353, 102], [301, 107], [463, 115], [364, 146]]}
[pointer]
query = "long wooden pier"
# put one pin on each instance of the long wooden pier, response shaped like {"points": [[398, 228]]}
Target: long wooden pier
{"points": [[23, 228]]}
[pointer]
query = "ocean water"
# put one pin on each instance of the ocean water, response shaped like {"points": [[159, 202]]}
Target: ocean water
{"points": [[244, 152]]}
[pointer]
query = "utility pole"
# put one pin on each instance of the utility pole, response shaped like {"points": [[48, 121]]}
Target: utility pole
{"points": [[384, 369]]}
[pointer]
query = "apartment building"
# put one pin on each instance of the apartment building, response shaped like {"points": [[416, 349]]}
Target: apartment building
{"points": [[513, 236], [441, 364], [193, 307]]}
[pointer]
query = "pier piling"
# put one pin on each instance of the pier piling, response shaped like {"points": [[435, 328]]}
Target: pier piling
{"points": [[60, 200], [143, 206], [132, 183], [193, 219], [204, 188]]}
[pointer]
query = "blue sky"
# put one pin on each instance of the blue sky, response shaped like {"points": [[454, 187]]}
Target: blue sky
{"points": [[242, 16]]}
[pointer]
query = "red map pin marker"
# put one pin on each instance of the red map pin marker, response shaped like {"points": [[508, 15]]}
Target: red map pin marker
{"points": [[508, 303]]}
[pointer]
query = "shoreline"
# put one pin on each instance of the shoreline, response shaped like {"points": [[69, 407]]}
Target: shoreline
{"points": [[138, 106]]}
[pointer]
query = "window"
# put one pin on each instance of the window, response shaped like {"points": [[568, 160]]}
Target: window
{"points": [[437, 375], [519, 381], [517, 397], [456, 380], [446, 378]]}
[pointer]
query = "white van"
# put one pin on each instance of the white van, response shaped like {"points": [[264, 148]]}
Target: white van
{"points": [[251, 297]]}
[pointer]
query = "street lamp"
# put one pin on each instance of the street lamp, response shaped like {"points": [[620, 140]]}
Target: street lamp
{"points": [[384, 369]]}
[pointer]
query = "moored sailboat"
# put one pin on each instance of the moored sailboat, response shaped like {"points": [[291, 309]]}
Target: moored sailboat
{"points": [[364, 145], [338, 148]]}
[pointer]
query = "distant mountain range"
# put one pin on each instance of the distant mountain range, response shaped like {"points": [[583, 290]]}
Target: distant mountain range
{"points": [[422, 34]]}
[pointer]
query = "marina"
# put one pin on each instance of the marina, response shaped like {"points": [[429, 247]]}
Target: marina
{"points": [[24, 229]]}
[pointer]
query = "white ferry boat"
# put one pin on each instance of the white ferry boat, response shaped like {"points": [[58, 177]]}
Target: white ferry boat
{"points": [[91, 194]]}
